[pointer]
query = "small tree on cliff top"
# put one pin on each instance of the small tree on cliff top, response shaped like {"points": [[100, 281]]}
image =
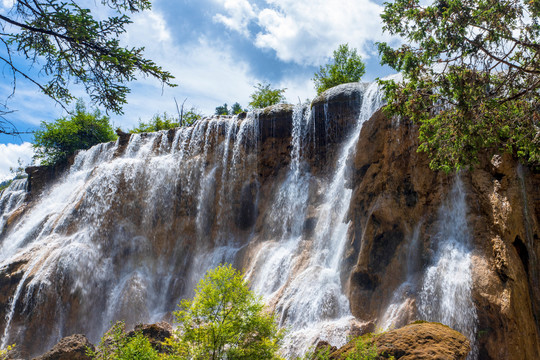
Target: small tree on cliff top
{"points": [[56, 141], [225, 320], [265, 96], [346, 66], [471, 77]]}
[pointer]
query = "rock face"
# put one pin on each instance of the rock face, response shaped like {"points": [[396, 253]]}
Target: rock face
{"points": [[325, 228], [397, 198], [426, 341]]}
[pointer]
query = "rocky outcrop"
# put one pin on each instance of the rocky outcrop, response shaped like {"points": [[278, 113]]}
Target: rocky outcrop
{"points": [[424, 341], [397, 198], [73, 347], [155, 333]]}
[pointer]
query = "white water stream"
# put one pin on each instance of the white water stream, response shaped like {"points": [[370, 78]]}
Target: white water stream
{"points": [[126, 237]]}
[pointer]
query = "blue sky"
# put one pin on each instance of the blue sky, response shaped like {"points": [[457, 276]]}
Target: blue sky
{"points": [[218, 50]]}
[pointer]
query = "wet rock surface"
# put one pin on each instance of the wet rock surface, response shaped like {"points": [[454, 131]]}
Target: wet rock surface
{"points": [[397, 198]]}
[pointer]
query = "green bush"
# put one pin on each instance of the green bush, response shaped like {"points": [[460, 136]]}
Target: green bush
{"points": [[346, 66], [265, 96], [116, 344], [225, 320], [157, 123], [55, 142]]}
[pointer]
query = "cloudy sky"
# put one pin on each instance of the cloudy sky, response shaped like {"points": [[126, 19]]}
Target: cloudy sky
{"points": [[218, 50]]}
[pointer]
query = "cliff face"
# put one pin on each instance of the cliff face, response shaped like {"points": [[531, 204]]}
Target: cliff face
{"points": [[334, 216], [396, 227]]}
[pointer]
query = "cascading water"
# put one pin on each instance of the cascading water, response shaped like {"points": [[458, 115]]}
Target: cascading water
{"points": [[446, 292], [11, 198], [110, 233], [130, 229], [300, 274]]}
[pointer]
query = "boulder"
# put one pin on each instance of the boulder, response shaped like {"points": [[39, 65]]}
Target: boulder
{"points": [[155, 333], [72, 347], [419, 341]]}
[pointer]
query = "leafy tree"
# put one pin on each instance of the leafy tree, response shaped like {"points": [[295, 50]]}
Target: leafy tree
{"points": [[471, 77], [189, 117], [157, 123], [237, 109], [265, 96], [66, 43], [346, 66], [225, 320], [222, 110], [55, 142], [116, 344]]}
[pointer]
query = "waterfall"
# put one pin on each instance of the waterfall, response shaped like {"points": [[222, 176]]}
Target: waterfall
{"points": [[300, 272], [11, 198], [129, 229], [446, 292]]}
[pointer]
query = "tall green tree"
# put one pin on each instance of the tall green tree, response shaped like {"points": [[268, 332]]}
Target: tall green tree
{"points": [[55, 142], [224, 320], [64, 42], [471, 77], [265, 96], [346, 66]]}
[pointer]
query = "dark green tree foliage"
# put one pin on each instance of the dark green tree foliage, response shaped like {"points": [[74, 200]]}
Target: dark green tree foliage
{"points": [[237, 109], [346, 66], [266, 96], [222, 110], [66, 43], [116, 344], [225, 320], [471, 77], [56, 141]]}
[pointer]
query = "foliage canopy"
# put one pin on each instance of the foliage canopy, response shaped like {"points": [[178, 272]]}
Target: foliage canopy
{"points": [[265, 96], [55, 142], [471, 77], [225, 320], [66, 43], [346, 66]]}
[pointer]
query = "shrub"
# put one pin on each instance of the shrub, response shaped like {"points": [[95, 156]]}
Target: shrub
{"points": [[157, 123], [55, 142], [224, 320], [116, 344], [265, 96]]}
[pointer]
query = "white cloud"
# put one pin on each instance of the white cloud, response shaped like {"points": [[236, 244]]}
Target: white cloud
{"points": [[206, 73], [307, 31], [8, 3], [10, 154], [240, 14]]}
